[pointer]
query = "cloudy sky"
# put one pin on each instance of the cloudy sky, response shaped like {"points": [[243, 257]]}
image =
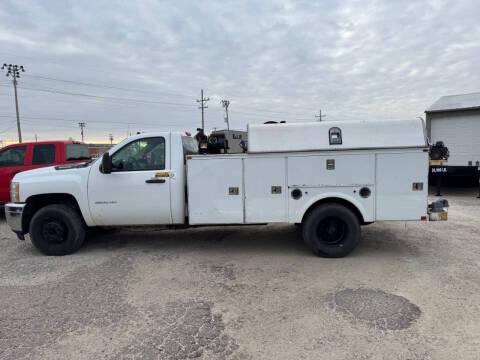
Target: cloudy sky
{"points": [[130, 66]]}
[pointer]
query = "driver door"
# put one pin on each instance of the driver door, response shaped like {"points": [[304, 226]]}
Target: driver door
{"points": [[137, 191]]}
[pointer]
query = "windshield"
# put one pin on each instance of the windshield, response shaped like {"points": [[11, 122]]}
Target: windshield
{"points": [[77, 152]]}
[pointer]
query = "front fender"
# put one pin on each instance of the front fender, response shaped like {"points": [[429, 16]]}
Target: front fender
{"points": [[62, 182]]}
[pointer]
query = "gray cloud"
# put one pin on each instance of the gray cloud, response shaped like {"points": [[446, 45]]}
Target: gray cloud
{"points": [[273, 60]]}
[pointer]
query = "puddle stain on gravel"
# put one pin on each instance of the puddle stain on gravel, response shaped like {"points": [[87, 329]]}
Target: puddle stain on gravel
{"points": [[374, 308], [181, 330]]}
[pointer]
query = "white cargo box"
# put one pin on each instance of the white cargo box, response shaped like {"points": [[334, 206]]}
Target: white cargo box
{"points": [[333, 135], [388, 159]]}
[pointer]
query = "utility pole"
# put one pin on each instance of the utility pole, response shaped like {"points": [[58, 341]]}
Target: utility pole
{"points": [[225, 104], [203, 101], [320, 116], [110, 137], [82, 125], [14, 71]]}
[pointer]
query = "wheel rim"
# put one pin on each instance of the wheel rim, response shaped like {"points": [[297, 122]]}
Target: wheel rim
{"points": [[332, 230], [54, 231]]}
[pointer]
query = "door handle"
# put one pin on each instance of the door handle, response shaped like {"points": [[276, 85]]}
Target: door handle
{"points": [[155, 181]]}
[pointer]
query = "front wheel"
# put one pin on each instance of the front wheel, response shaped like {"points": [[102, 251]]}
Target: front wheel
{"points": [[331, 230], [57, 230]]}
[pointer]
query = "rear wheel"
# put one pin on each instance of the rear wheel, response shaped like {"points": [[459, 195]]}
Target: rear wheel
{"points": [[57, 230], [331, 230]]}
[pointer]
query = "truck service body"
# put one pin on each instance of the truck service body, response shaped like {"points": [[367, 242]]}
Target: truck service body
{"points": [[329, 177]]}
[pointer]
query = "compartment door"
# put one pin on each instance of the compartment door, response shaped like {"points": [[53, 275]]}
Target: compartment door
{"points": [[265, 190], [215, 194], [397, 196]]}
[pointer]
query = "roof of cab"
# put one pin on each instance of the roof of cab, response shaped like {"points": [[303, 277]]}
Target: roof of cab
{"points": [[67, 142]]}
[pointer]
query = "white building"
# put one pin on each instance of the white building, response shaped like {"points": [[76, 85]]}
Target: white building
{"points": [[455, 120]]}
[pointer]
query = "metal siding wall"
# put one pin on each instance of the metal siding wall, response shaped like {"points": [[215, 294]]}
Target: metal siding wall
{"points": [[461, 134]]}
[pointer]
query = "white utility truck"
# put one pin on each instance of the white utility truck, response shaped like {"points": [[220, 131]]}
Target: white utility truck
{"points": [[327, 177]]}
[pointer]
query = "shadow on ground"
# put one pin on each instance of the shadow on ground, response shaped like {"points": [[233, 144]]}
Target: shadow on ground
{"points": [[255, 240], [236, 239]]}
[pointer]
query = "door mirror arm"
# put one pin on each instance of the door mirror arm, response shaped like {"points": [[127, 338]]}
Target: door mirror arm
{"points": [[106, 163]]}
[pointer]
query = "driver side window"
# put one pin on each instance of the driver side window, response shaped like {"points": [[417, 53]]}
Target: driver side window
{"points": [[140, 155]]}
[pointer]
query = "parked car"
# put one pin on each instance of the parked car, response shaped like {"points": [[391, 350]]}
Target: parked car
{"points": [[26, 156], [306, 174]]}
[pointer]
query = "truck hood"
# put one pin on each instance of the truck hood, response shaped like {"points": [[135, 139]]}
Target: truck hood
{"points": [[52, 171]]}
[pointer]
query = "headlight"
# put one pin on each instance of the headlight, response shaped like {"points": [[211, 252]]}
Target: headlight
{"points": [[14, 191]]}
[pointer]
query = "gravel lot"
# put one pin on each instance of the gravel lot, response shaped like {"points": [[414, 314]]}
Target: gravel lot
{"points": [[409, 291]]}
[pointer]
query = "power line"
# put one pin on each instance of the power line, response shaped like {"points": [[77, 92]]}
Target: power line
{"points": [[8, 128], [99, 121], [145, 91], [96, 69], [287, 116], [149, 92], [107, 86], [152, 92], [55, 91]]}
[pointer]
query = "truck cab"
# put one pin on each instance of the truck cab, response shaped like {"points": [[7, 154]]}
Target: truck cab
{"points": [[146, 182], [32, 155]]}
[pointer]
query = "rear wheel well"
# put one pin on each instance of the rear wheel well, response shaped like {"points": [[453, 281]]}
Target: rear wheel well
{"points": [[36, 202], [340, 201]]}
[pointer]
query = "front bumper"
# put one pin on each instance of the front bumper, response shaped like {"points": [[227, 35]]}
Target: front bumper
{"points": [[13, 214]]}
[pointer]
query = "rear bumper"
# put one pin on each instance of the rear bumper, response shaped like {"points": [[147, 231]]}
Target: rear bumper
{"points": [[13, 215]]}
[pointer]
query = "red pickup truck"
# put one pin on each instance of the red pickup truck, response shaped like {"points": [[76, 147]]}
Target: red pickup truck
{"points": [[26, 156]]}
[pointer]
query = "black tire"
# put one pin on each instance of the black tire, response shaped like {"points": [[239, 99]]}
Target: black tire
{"points": [[331, 230], [57, 230]]}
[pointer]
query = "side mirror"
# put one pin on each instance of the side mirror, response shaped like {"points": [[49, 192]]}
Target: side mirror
{"points": [[106, 163]]}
